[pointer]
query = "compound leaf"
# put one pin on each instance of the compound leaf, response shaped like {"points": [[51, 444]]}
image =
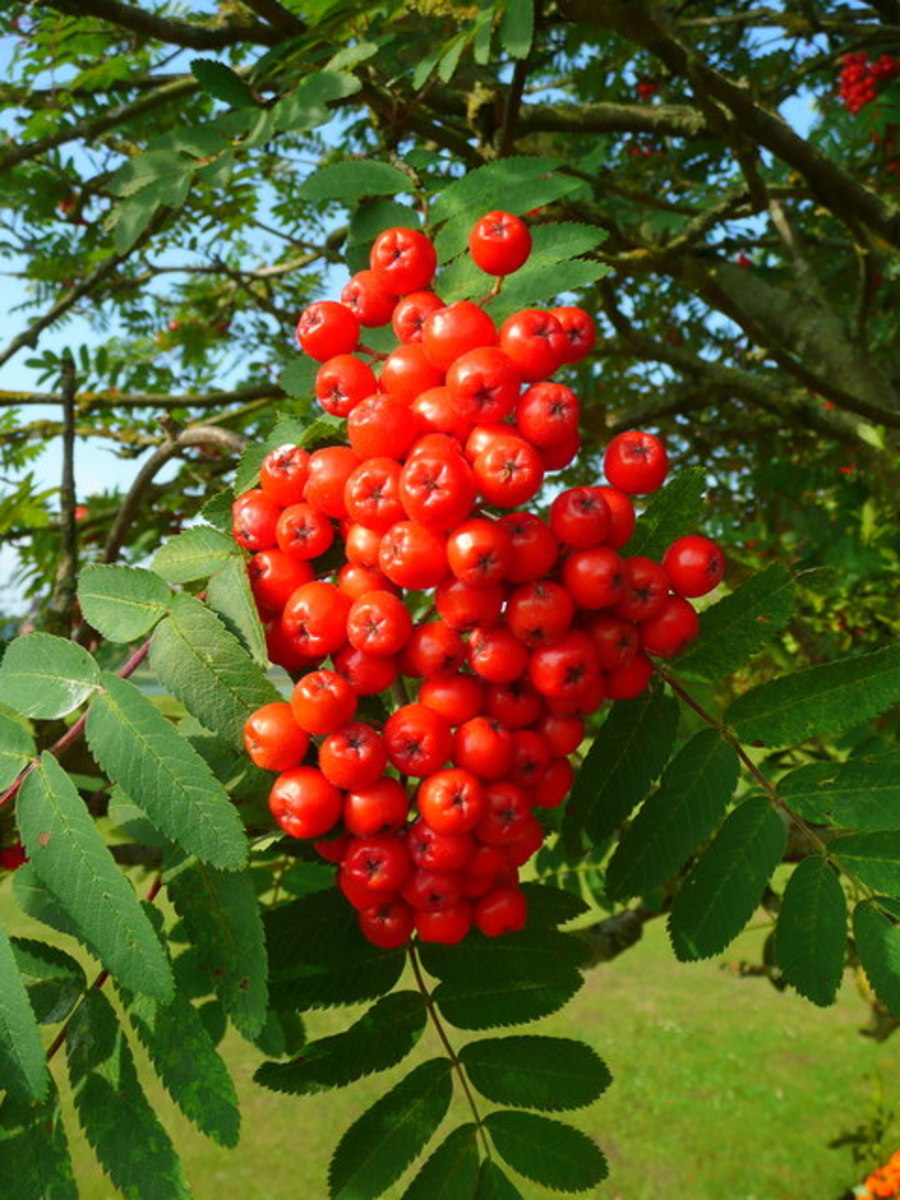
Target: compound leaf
{"points": [[878, 946], [194, 554], [163, 774], [46, 676], [122, 603], [23, 1067], [221, 915], [692, 795], [494, 1184], [861, 793], [69, 856], [737, 626], [547, 1151], [451, 1171], [811, 934], [672, 512], [873, 858], [827, 699], [378, 1147], [357, 177], [379, 1039], [548, 1073], [117, 1119], [725, 884], [205, 666], [629, 751]]}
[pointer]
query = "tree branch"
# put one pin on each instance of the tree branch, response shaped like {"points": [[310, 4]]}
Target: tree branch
{"points": [[272, 12], [86, 402], [167, 29]]}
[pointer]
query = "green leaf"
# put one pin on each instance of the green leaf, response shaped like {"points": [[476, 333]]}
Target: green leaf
{"points": [[549, 1073], [546, 1151], [725, 884], [38, 902], [221, 915], [188, 1064], [692, 796], [194, 554], [489, 1003], [493, 1184], [378, 1040], [54, 980], [811, 934], [861, 793], [378, 1147], [821, 700], [219, 81], [541, 282], [122, 603], [17, 746], [205, 666], [517, 28], [451, 1171], [737, 626], [367, 222], [629, 751], [33, 1138], [449, 60], [354, 178], [46, 676], [149, 170], [319, 957], [307, 106], [117, 1119], [878, 946], [164, 775], [548, 905], [23, 1067], [69, 856], [503, 183], [872, 858], [672, 512], [228, 594]]}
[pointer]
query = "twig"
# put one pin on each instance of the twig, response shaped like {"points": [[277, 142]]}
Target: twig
{"points": [[167, 29]]}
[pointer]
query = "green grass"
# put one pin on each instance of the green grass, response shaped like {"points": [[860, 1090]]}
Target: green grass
{"points": [[722, 1087]]}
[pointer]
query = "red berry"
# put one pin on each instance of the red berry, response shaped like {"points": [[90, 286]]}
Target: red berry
{"points": [[635, 462], [694, 565], [500, 243], [304, 803]]}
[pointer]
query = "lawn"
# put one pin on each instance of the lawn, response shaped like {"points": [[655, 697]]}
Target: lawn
{"points": [[722, 1088]]}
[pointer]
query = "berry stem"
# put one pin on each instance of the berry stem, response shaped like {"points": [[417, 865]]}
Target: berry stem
{"points": [[451, 1053]]}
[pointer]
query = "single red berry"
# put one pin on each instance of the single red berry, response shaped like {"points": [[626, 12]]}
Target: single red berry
{"points": [[388, 925], [376, 807], [457, 698], [368, 299], [671, 629], [450, 332], [254, 520], [694, 564], [501, 910], [500, 243], [636, 462], [342, 382], [327, 328], [353, 756], [535, 341], [451, 801], [413, 556], [322, 701], [304, 803], [282, 475], [273, 739], [274, 577], [403, 260], [411, 313], [418, 740]]}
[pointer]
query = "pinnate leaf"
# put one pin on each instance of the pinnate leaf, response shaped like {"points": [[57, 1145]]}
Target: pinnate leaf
{"points": [[378, 1147], [53, 979], [228, 594], [877, 940], [547, 1151], [737, 626], [548, 1073], [32, 1137], [672, 512], [23, 1068], [873, 858], [46, 676], [451, 1171], [117, 1119], [548, 905], [17, 746], [205, 666], [122, 603], [811, 934], [164, 775], [861, 793], [188, 1063], [69, 856], [827, 699], [378, 1040], [628, 753], [221, 915], [692, 795], [495, 1184], [357, 177], [307, 106], [221, 82], [725, 884], [194, 554]]}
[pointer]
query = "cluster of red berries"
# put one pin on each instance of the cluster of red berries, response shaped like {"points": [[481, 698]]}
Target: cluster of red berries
{"points": [[883, 1183], [527, 624], [860, 79]]}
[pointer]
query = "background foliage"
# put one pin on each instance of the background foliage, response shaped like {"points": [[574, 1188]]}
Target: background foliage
{"points": [[182, 181]]}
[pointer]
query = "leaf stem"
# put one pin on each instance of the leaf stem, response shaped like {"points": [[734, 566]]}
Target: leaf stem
{"points": [[451, 1053]]}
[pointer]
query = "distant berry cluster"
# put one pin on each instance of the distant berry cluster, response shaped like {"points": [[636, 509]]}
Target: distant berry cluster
{"points": [[861, 79]]}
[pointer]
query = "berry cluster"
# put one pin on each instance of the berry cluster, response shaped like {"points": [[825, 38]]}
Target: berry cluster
{"points": [[513, 628], [860, 79], [883, 1183]]}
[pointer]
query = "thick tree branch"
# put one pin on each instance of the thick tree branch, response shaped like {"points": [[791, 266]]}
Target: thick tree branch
{"points": [[167, 29], [278, 16], [86, 402], [661, 120]]}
